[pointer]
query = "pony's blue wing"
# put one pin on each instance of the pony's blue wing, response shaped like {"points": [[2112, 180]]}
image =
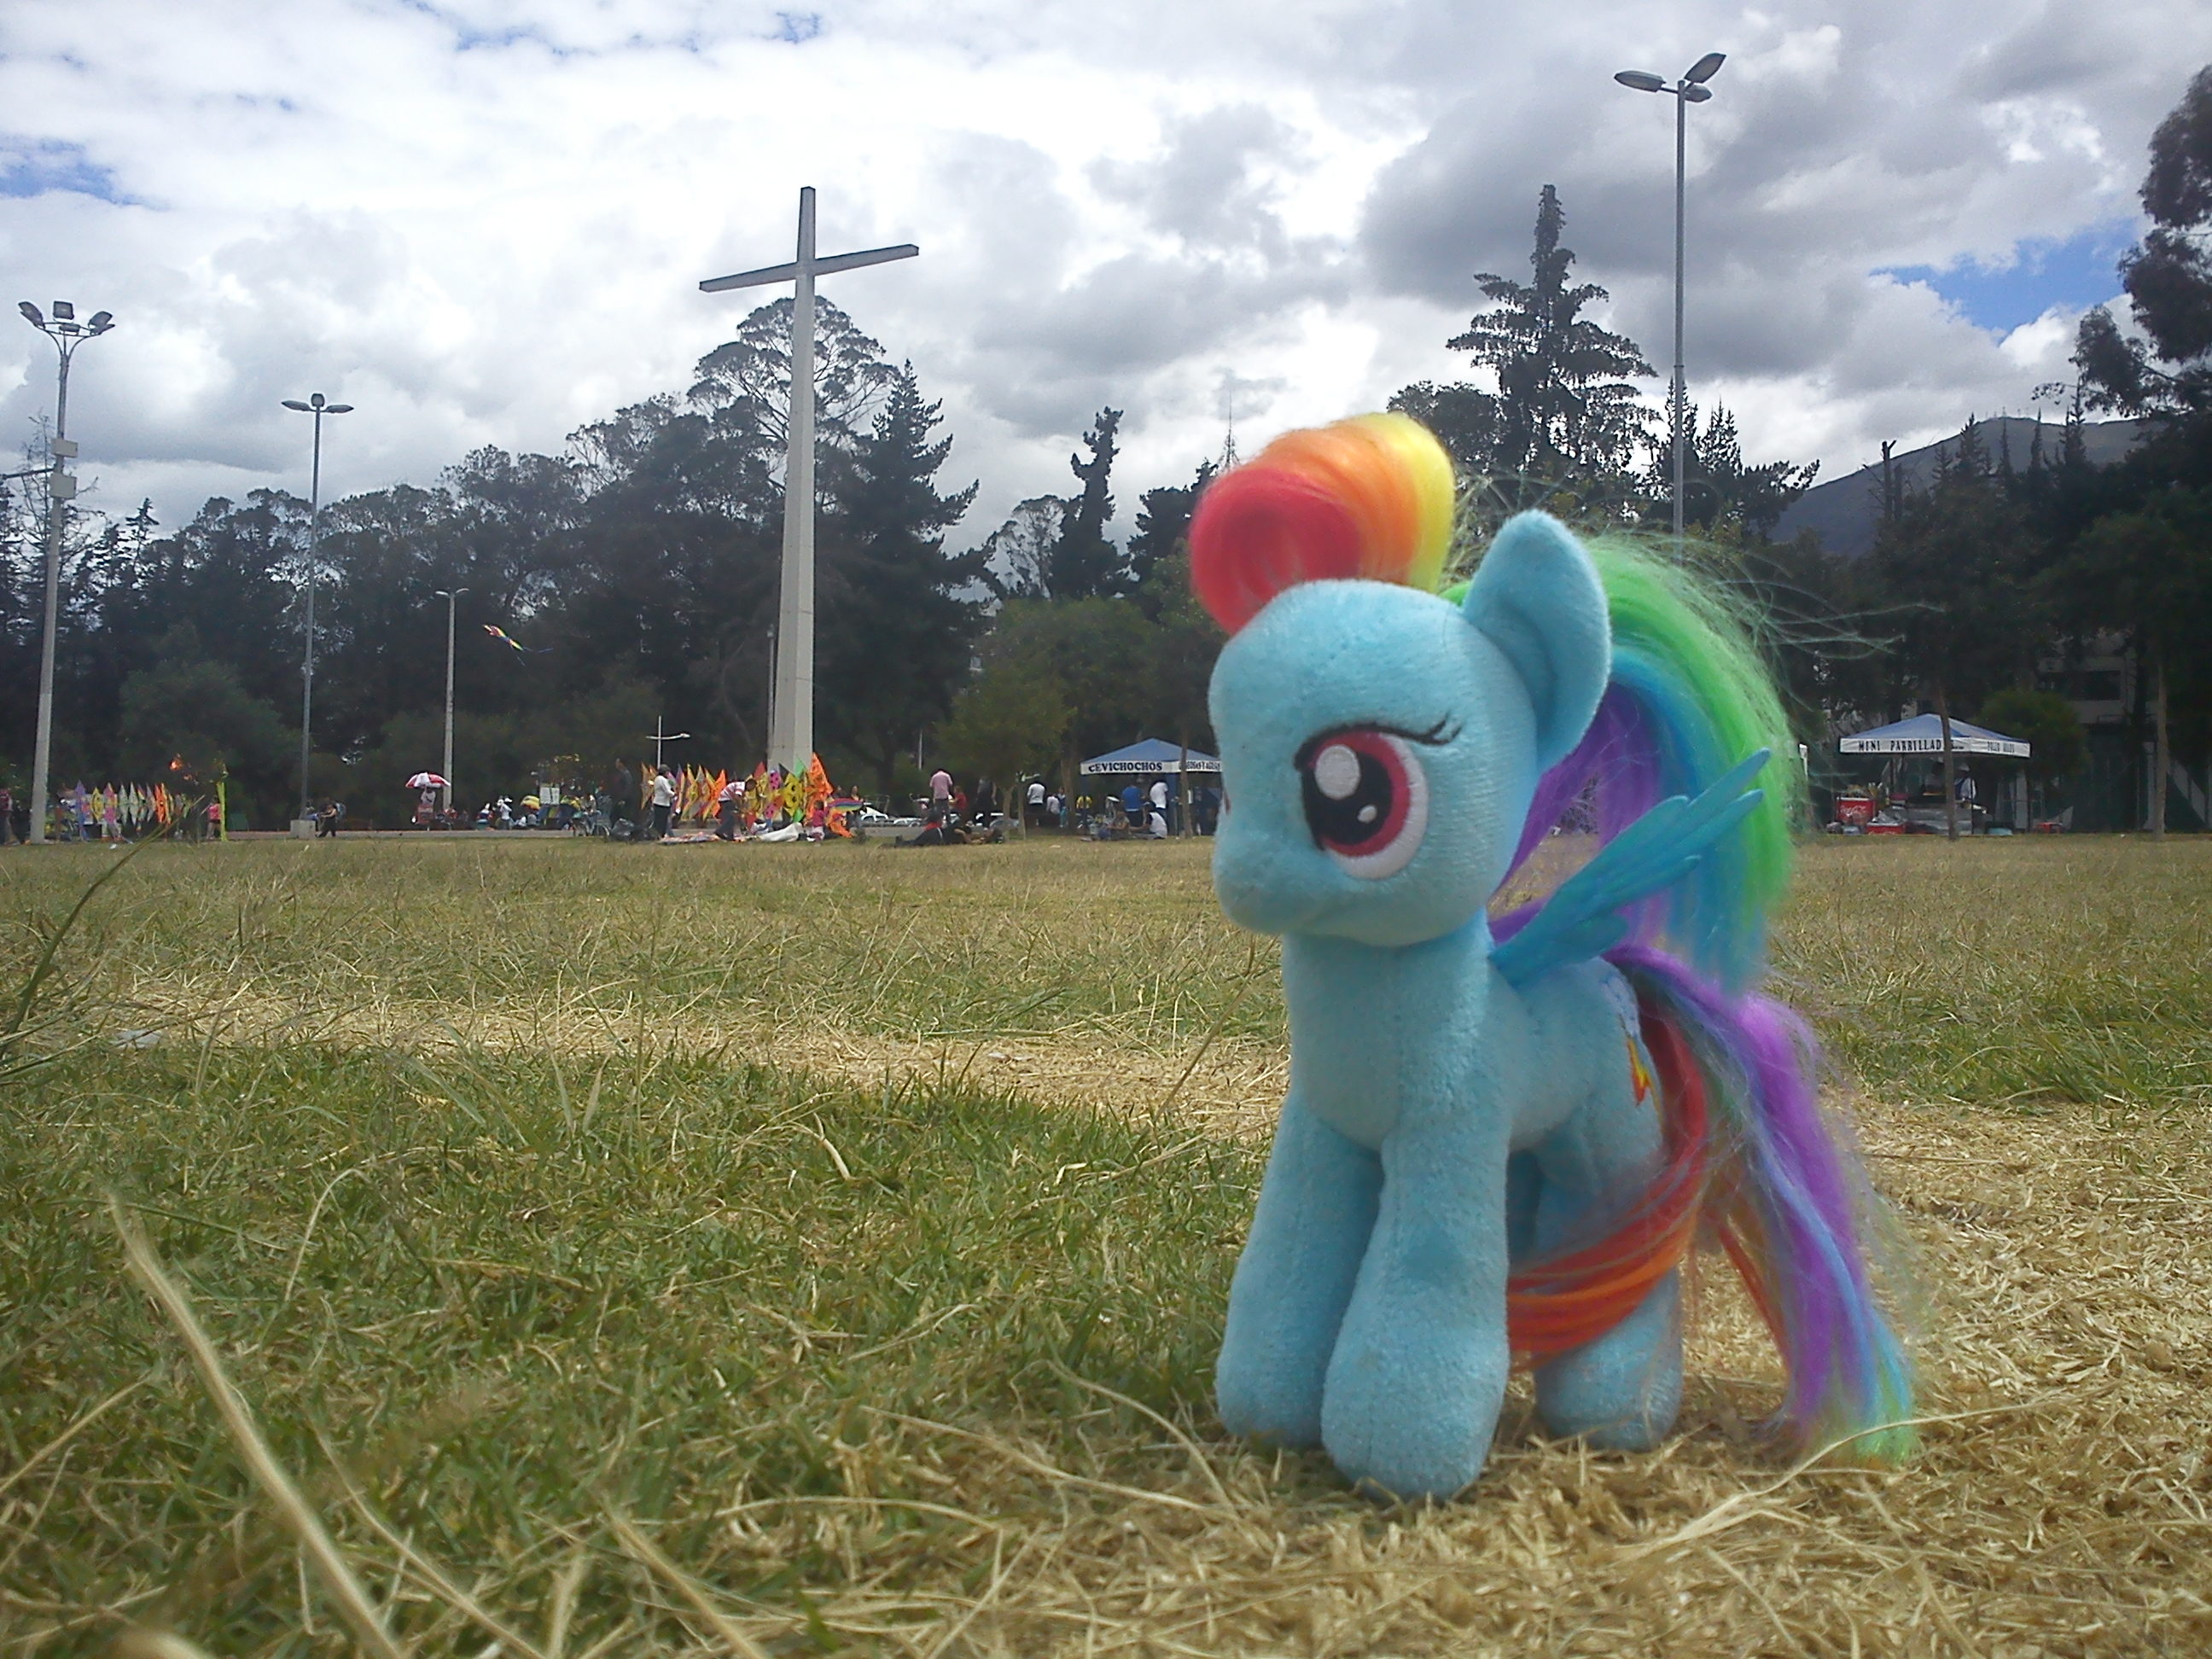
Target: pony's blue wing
{"points": [[1584, 919]]}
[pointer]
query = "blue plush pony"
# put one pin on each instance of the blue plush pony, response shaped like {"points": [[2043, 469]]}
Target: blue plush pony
{"points": [[1502, 1135]]}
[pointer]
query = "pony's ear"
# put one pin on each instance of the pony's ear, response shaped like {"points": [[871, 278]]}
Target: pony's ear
{"points": [[1536, 597]]}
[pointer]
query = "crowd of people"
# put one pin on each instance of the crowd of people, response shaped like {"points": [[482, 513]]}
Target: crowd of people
{"points": [[657, 803], [1155, 808], [1152, 809]]}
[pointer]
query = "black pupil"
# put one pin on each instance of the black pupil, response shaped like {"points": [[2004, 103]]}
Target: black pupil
{"points": [[1359, 817]]}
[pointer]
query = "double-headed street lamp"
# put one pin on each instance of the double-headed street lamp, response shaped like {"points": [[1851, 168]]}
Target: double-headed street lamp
{"points": [[1690, 89], [317, 407], [67, 334], [451, 596]]}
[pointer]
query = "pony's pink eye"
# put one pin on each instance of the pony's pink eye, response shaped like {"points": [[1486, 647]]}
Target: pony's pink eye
{"points": [[1366, 800]]}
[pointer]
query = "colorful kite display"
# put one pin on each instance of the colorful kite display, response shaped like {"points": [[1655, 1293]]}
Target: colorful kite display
{"points": [[768, 799], [119, 813]]}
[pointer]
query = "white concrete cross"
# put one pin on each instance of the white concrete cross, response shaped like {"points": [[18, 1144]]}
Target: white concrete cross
{"points": [[791, 710]]}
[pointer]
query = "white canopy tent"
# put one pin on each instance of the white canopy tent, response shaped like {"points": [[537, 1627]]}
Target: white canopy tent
{"points": [[1924, 735]]}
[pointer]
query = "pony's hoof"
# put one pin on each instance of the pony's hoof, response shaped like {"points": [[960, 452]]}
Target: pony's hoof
{"points": [[1601, 1412], [1640, 1434]]}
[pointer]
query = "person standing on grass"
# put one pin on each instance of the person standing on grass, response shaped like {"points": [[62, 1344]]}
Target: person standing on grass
{"points": [[622, 793], [725, 809], [940, 792], [1033, 802], [1159, 799], [7, 815], [663, 801]]}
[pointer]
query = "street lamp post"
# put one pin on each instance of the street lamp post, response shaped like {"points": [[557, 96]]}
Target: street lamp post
{"points": [[317, 407], [450, 596], [67, 334], [1690, 89]]}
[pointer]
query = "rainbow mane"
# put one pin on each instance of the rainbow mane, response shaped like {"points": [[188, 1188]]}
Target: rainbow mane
{"points": [[1754, 1166], [1690, 696], [1370, 497]]}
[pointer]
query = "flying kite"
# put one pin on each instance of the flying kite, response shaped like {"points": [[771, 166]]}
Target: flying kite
{"points": [[506, 638]]}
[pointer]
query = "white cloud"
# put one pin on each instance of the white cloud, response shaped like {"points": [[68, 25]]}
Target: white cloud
{"points": [[483, 222]]}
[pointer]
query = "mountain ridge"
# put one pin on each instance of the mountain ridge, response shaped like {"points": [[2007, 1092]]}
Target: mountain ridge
{"points": [[1842, 512]]}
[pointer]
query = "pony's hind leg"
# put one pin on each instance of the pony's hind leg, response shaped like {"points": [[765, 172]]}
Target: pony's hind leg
{"points": [[1621, 1391]]}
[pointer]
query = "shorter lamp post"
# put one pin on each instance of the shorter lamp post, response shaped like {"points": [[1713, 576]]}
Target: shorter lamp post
{"points": [[450, 596], [1690, 89], [317, 407], [67, 334]]}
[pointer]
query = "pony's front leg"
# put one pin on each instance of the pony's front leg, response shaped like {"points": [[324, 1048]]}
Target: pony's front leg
{"points": [[1316, 1209], [1420, 1364]]}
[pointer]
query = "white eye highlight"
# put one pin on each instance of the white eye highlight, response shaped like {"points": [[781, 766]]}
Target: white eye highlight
{"points": [[1336, 771]]}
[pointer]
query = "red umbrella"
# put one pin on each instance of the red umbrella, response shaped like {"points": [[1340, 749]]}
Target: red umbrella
{"points": [[425, 780]]}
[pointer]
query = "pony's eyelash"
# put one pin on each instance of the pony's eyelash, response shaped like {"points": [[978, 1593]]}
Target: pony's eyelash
{"points": [[1443, 732], [1435, 737]]}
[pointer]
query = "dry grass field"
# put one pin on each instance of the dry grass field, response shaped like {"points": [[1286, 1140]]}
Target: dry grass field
{"points": [[777, 1250]]}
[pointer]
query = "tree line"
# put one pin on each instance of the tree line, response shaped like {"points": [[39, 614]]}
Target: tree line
{"points": [[1991, 581], [635, 572]]}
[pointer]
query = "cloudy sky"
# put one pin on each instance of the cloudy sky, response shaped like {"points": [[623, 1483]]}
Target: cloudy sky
{"points": [[483, 222]]}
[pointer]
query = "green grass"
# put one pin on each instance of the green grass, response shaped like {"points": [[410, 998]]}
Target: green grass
{"points": [[1052, 936], [2012, 976], [529, 1297], [514, 1184], [2074, 970]]}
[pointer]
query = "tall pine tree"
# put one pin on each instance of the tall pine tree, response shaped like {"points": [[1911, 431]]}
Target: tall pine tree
{"points": [[896, 633], [1565, 406]]}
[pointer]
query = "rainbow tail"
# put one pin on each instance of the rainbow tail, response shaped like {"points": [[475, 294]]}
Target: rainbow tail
{"points": [[1789, 1202]]}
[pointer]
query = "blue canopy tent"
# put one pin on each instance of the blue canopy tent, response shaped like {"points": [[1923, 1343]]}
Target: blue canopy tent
{"points": [[1146, 758], [1924, 735]]}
